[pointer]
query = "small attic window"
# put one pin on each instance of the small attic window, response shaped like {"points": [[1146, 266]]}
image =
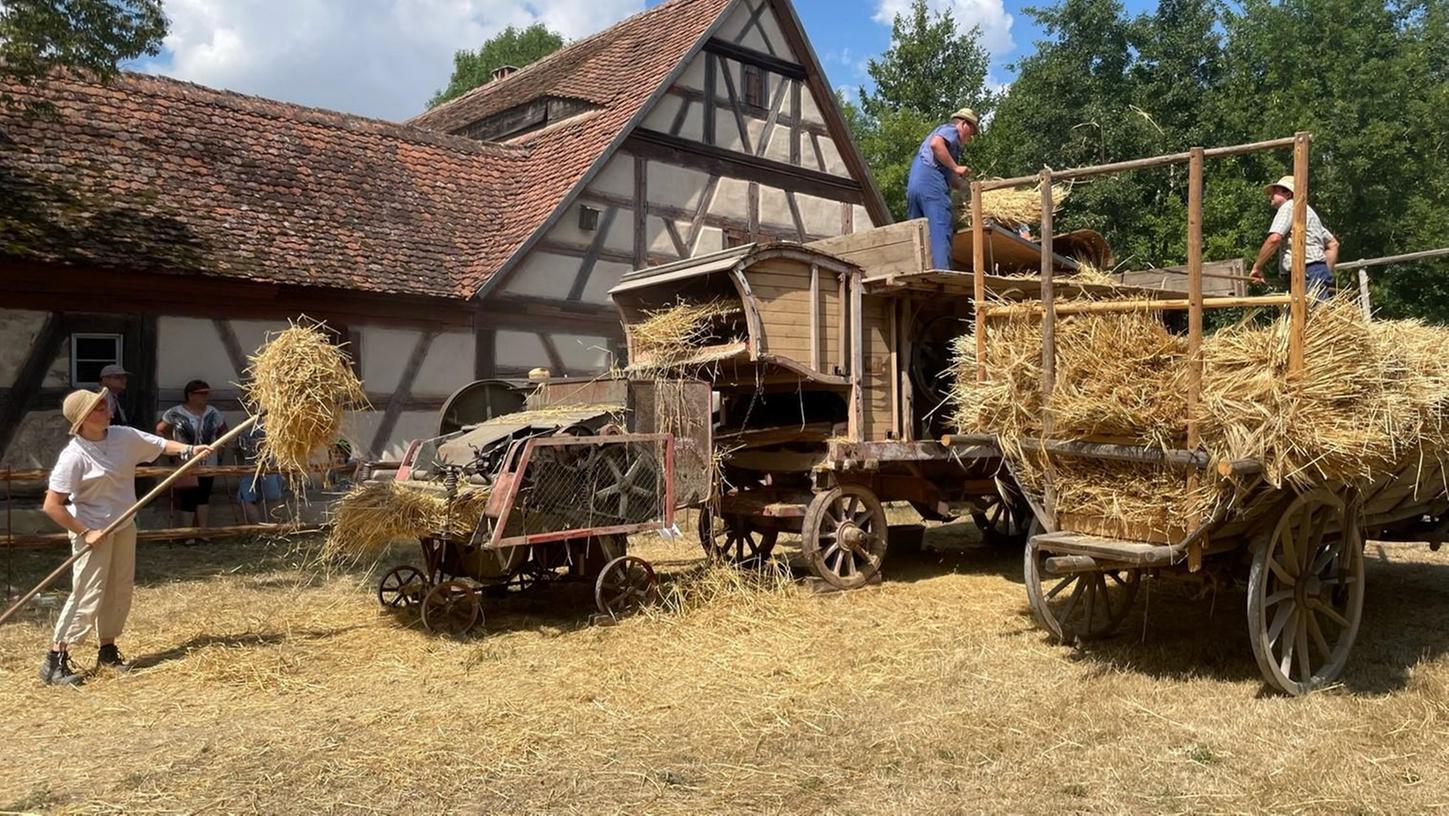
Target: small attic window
{"points": [[588, 218], [753, 80], [527, 117]]}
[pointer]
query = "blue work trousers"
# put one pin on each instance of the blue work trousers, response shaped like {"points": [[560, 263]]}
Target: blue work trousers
{"points": [[928, 197]]}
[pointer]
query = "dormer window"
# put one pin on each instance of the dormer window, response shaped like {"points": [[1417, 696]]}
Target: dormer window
{"points": [[518, 120]]}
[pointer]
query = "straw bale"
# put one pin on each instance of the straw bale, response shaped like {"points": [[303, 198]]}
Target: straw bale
{"points": [[303, 384], [1014, 206]]}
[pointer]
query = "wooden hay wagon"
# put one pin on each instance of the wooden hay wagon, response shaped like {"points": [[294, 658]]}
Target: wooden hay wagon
{"points": [[1298, 549], [827, 363], [568, 478]]}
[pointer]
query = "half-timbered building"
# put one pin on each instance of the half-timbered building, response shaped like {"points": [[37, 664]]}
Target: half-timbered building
{"points": [[168, 226]]}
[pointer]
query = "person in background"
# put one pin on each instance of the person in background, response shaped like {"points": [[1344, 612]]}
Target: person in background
{"points": [[194, 422], [339, 458], [255, 491], [113, 379], [92, 484], [936, 169], [1321, 247]]}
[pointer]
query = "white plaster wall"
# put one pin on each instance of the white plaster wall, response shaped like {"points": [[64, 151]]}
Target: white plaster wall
{"points": [[18, 328], [661, 116], [516, 348], [731, 199], [188, 348], [711, 239], [583, 354], [860, 218], [776, 36], [617, 177], [251, 334], [779, 146], [834, 164], [774, 209], [59, 374], [360, 427], [658, 237], [821, 216], [809, 108], [693, 76], [448, 366], [605, 276], [38, 440], [619, 237], [676, 186], [734, 30], [544, 274], [385, 354]]}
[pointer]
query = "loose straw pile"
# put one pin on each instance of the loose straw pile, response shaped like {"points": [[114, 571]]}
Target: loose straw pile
{"points": [[1372, 394], [671, 337], [1014, 206], [303, 385], [375, 515]]}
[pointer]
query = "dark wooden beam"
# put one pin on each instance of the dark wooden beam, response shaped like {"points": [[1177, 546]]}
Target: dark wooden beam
{"points": [[593, 253], [691, 95], [641, 212], [32, 373], [750, 56], [736, 108], [672, 229], [720, 162], [485, 364], [709, 103], [699, 217], [556, 365], [145, 399], [752, 209], [795, 215], [233, 347]]}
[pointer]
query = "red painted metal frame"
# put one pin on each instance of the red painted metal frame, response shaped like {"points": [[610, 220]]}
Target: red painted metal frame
{"points": [[521, 452]]}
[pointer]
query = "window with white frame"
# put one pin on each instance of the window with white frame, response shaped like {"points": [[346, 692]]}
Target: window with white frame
{"points": [[89, 353]]}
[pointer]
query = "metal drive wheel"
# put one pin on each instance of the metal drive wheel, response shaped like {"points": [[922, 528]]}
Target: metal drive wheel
{"points": [[844, 536], [1305, 593], [733, 540], [402, 588], [1003, 519], [624, 585], [451, 608], [1080, 606], [625, 487]]}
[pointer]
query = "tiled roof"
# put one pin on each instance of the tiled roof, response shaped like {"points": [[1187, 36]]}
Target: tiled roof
{"points": [[154, 174]]}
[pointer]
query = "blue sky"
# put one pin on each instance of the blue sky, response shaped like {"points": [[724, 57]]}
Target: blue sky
{"points": [[384, 58]]}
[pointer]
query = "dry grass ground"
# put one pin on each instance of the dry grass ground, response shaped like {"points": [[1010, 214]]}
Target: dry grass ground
{"points": [[266, 691]]}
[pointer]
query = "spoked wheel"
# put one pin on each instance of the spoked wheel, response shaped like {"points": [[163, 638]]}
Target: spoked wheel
{"points": [[624, 585], [733, 540], [1078, 606], [844, 536], [626, 487], [1003, 519], [1305, 593], [402, 588], [451, 609]]}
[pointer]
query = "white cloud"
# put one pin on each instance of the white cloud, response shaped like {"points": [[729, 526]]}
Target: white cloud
{"points": [[381, 58], [990, 15]]}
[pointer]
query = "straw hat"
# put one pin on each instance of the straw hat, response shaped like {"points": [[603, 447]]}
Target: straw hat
{"points": [[1286, 183], [970, 116], [78, 405]]}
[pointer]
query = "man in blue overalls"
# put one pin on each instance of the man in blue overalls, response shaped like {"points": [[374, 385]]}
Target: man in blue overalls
{"points": [[934, 171]]}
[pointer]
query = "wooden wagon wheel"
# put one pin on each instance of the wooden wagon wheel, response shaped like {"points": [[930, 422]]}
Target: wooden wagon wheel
{"points": [[451, 608], [1080, 606], [624, 585], [402, 588], [1003, 519], [844, 536], [733, 540], [1305, 593]]}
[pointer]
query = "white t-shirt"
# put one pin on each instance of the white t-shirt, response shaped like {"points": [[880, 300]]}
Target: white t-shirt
{"points": [[1316, 247], [100, 477]]}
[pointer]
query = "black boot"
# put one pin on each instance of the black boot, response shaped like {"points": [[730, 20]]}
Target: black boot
{"points": [[110, 656], [57, 670]]}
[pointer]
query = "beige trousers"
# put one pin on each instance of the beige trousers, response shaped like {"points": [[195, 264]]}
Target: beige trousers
{"points": [[101, 583]]}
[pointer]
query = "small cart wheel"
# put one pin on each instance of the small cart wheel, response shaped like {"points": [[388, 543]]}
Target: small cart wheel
{"points": [[1305, 593], [1003, 519], [402, 588], [624, 585], [1081, 605], [451, 609], [844, 536], [733, 540]]}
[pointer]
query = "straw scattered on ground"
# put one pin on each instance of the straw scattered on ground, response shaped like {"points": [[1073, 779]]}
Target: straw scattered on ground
{"points": [[267, 689], [303, 384]]}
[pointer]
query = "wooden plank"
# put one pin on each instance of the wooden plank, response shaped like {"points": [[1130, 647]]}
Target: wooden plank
{"points": [[857, 359], [842, 245], [640, 211], [709, 98], [752, 209], [1140, 164], [893, 336], [1194, 293], [750, 56], [1111, 550], [978, 277], [795, 122], [1298, 286], [815, 317]]}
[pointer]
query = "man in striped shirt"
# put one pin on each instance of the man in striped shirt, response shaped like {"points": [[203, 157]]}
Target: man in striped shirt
{"points": [[1320, 247]]}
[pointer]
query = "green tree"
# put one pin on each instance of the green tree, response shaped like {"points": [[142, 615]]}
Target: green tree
{"points": [[38, 36], [511, 46], [930, 69]]}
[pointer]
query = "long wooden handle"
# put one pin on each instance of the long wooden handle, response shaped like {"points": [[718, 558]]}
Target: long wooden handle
{"points": [[125, 518]]}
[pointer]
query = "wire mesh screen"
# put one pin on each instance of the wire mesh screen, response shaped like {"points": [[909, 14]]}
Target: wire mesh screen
{"points": [[589, 484]]}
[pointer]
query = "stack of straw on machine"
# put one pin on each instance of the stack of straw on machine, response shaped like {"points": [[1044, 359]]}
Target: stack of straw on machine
{"points": [[679, 336], [375, 515], [1373, 394]]}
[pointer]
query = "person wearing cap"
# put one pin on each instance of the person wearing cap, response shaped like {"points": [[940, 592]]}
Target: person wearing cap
{"points": [[92, 484], [113, 379], [1320, 246], [934, 171]]}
